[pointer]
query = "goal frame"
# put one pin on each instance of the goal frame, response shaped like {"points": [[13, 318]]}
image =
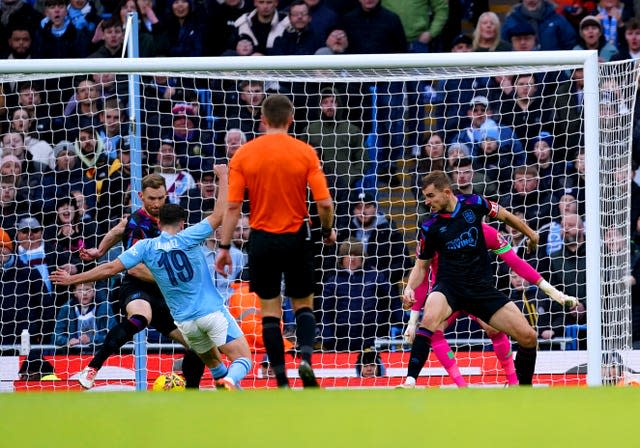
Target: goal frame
{"points": [[588, 59]]}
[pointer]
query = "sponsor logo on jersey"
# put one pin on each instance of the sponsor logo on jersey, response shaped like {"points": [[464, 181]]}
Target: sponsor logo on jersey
{"points": [[466, 239]]}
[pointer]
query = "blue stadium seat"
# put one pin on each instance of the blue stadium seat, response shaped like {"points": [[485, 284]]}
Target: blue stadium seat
{"points": [[572, 332]]}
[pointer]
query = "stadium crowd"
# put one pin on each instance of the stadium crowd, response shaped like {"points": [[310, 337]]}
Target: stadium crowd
{"points": [[65, 171]]}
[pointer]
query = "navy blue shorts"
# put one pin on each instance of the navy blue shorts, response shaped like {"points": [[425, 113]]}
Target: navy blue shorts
{"points": [[481, 301], [134, 289]]}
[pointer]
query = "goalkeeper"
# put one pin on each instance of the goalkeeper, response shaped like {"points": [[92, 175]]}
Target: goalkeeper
{"points": [[464, 281], [176, 261], [501, 344]]}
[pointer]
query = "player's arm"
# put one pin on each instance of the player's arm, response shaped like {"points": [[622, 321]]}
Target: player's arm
{"points": [[141, 272], [112, 237], [325, 212], [416, 277], [224, 262], [215, 218], [513, 221], [100, 272]]}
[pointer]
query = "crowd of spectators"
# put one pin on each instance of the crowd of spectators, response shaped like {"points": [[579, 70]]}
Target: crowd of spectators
{"points": [[65, 171]]}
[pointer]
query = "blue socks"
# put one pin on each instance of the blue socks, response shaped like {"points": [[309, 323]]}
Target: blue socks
{"points": [[220, 371], [239, 369]]}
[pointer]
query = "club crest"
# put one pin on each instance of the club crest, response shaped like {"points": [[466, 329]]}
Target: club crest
{"points": [[469, 216]]}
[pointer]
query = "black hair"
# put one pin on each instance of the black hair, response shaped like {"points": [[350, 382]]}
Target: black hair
{"points": [[172, 214]]}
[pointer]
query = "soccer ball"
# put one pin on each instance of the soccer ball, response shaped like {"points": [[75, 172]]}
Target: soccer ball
{"points": [[169, 382]]}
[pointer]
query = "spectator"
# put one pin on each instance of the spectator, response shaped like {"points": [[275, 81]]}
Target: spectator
{"points": [[82, 110], [576, 179], [20, 42], [25, 302], [111, 131], [113, 39], [34, 251], [243, 47], [592, 38], [152, 40], [568, 271], [58, 37], [247, 115], [525, 112], [526, 195], [323, 17], [337, 43], [68, 233], [522, 37], [552, 30], [460, 12], [373, 29], [200, 198], [467, 181], [67, 174], [486, 36], [340, 148], [355, 302], [551, 171], [10, 205], [383, 243], [612, 15], [422, 20], [27, 184], [369, 364], [83, 15], [510, 149], [30, 97], [40, 151], [432, 157], [114, 190], [221, 16], [263, 25], [193, 146], [16, 13], [177, 180], [632, 39], [299, 38], [82, 322], [184, 30], [233, 140]]}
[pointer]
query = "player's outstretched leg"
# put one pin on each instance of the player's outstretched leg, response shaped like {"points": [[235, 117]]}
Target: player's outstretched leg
{"points": [[305, 335], [239, 353], [502, 349], [419, 355], [115, 339], [445, 355], [274, 345]]}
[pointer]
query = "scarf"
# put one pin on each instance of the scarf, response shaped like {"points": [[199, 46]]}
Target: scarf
{"points": [[609, 27], [57, 32], [536, 16], [87, 162], [36, 259]]}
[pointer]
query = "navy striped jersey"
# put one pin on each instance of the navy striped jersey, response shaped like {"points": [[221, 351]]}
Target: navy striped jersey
{"points": [[458, 240], [141, 225]]}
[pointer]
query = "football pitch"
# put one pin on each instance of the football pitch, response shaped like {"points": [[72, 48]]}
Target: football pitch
{"points": [[518, 417]]}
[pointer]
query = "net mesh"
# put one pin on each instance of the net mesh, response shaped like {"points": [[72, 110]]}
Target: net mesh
{"points": [[514, 134]]}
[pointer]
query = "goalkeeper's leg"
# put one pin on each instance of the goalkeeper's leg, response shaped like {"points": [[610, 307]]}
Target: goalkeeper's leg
{"points": [[502, 349], [511, 320]]}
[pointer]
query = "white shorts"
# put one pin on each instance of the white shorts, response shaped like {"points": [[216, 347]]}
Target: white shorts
{"points": [[215, 329]]}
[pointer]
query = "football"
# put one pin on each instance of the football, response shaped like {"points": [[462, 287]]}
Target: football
{"points": [[169, 382]]}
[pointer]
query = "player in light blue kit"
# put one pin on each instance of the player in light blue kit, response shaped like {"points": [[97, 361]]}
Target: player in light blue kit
{"points": [[178, 266]]}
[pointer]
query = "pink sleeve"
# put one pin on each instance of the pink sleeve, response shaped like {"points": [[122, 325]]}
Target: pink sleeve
{"points": [[421, 295], [521, 267], [502, 248]]}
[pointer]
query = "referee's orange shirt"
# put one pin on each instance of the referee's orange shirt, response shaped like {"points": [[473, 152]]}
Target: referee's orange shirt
{"points": [[276, 169]]}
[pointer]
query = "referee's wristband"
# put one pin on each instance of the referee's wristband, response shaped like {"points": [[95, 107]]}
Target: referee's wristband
{"points": [[326, 233], [224, 246]]}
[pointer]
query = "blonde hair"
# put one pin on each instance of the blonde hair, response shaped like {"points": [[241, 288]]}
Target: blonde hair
{"points": [[476, 32]]}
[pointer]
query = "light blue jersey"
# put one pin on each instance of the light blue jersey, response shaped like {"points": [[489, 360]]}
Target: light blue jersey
{"points": [[180, 269]]}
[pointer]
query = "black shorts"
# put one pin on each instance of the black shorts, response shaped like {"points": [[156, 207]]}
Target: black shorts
{"points": [[481, 301], [134, 289], [271, 255]]}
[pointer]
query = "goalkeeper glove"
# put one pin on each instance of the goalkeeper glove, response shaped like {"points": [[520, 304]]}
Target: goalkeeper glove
{"points": [[410, 332], [560, 297]]}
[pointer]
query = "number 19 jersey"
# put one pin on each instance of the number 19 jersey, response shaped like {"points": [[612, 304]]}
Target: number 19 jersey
{"points": [[180, 270]]}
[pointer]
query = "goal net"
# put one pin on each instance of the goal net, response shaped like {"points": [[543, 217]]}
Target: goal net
{"points": [[520, 129]]}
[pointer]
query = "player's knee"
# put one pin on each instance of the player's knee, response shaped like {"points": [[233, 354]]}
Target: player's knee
{"points": [[528, 339]]}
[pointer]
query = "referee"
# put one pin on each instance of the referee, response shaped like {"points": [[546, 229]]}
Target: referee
{"points": [[276, 169]]}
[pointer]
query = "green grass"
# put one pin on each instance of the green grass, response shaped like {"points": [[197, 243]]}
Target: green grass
{"points": [[557, 417]]}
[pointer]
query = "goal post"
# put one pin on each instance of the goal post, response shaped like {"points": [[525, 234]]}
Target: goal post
{"points": [[606, 203]]}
